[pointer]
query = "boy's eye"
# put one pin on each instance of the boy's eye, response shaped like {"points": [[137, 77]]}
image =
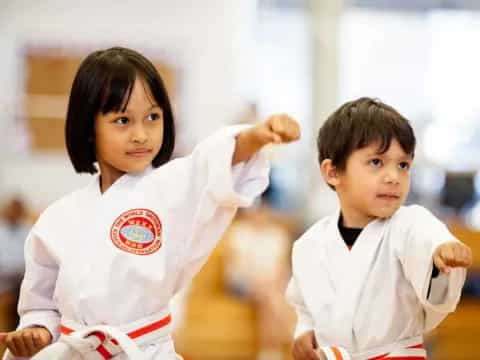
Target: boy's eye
{"points": [[121, 120], [376, 162], [404, 165], [153, 117]]}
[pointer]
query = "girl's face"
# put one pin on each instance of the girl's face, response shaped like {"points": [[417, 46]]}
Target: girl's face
{"points": [[127, 142]]}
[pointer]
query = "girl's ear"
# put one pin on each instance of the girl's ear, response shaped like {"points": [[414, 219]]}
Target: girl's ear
{"points": [[330, 173]]}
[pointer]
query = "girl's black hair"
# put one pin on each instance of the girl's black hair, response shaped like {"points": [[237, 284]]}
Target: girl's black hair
{"points": [[104, 83]]}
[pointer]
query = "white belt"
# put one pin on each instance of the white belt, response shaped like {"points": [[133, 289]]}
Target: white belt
{"points": [[103, 341]]}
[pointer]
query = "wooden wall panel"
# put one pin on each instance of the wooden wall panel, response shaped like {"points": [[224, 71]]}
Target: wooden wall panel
{"points": [[48, 133], [48, 75], [48, 80]]}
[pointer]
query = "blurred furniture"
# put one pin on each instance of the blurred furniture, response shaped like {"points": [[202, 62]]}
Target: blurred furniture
{"points": [[218, 325], [458, 337], [459, 190]]}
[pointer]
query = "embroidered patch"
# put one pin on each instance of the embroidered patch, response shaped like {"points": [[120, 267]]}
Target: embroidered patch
{"points": [[137, 231]]}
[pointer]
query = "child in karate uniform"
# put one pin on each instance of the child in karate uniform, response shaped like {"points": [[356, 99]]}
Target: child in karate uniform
{"points": [[103, 262], [369, 280]]}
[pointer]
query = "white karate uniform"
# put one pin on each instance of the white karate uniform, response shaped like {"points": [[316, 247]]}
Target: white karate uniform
{"points": [[372, 299], [76, 274]]}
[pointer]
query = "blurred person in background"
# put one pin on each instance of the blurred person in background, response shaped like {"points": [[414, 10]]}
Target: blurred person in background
{"points": [[257, 264], [14, 228], [257, 270]]}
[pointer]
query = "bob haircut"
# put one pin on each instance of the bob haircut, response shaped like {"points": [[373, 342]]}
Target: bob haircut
{"points": [[359, 123], [104, 83]]}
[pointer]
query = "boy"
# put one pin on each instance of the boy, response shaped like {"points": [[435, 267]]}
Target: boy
{"points": [[371, 279]]}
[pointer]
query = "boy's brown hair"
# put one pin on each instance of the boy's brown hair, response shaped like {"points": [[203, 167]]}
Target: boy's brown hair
{"points": [[359, 123]]}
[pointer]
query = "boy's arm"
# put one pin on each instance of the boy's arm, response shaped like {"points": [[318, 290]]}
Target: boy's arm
{"points": [[275, 129], [304, 345], [425, 243], [294, 296], [446, 257]]}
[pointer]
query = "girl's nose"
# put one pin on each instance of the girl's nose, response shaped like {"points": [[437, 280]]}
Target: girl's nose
{"points": [[139, 134]]}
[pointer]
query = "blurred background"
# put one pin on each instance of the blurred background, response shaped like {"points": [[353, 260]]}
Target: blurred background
{"points": [[236, 61]]}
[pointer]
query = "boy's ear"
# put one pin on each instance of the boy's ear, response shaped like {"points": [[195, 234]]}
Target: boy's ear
{"points": [[330, 172]]}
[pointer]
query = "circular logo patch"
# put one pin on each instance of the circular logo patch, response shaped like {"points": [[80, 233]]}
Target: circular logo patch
{"points": [[137, 231]]}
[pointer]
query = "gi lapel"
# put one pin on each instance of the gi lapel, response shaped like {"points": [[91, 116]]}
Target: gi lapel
{"points": [[351, 268]]}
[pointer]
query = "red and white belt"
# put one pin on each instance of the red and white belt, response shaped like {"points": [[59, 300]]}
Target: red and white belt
{"points": [[410, 349], [414, 352], [104, 342]]}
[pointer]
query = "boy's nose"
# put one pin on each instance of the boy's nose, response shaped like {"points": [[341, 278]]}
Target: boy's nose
{"points": [[391, 177]]}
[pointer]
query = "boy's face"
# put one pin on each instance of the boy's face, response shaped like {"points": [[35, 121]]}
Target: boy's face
{"points": [[374, 185]]}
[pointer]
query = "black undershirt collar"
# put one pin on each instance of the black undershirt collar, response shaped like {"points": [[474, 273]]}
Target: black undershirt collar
{"points": [[350, 235]]}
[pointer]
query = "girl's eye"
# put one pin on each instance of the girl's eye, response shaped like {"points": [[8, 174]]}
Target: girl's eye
{"points": [[153, 117], [376, 162], [121, 120], [404, 165]]}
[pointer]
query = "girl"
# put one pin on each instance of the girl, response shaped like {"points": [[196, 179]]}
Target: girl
{"points": [[103, 262]]}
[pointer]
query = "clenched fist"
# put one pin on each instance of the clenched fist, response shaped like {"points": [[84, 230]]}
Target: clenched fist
{"points": [[275, 129], [452, 254], [26, 342], [305, 347]]}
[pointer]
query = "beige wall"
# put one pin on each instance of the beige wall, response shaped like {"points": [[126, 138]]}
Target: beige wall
{"points": [[197, 37]]}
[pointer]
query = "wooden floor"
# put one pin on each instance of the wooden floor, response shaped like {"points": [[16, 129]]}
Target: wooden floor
{"points": [[458, 337], [216, 325]]}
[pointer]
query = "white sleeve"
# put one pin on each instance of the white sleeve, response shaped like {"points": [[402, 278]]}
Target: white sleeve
{"points": [[235, 186], [36, 305], [304, 318], [424, 234], [215, 191]]}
